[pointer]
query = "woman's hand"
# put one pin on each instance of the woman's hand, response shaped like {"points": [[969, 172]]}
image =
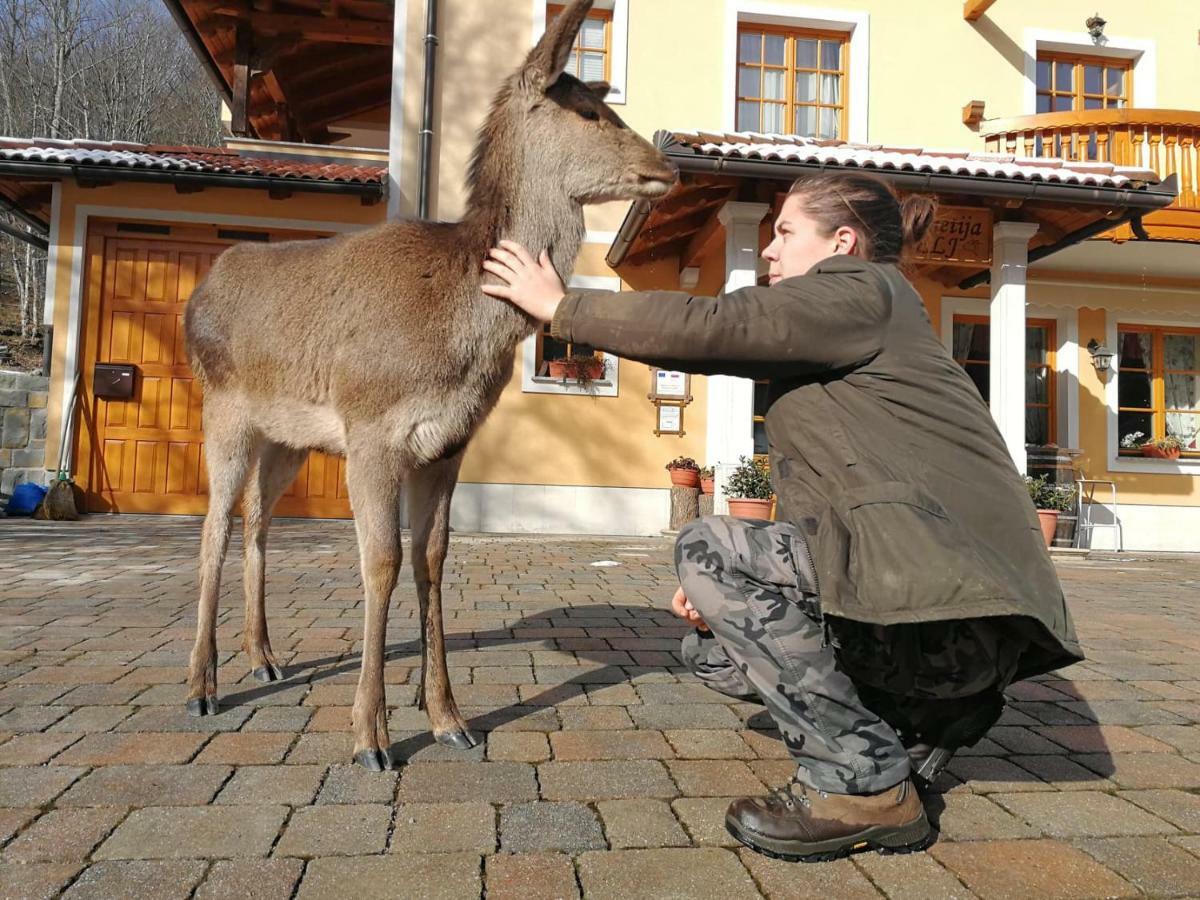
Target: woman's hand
{"points": [[530, 284], [682, 607]]}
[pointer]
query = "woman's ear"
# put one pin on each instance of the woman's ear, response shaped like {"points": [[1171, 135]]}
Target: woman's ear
{"points": [[845, 242]]}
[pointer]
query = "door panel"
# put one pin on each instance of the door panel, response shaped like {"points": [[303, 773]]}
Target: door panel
{"points": [[146, 454]]}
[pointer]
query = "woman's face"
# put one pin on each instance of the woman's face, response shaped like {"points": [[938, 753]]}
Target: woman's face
{"points": [[799, 245]]}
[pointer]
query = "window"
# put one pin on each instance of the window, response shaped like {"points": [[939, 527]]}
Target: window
{"points": [[549, 348], [761, 405], [791, 82], [972, 351], [1068, 82], [1158, 386], [591, 58]]}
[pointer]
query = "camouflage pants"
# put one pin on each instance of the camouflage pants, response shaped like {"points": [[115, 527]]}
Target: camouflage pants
{"points": [[752, 583]]}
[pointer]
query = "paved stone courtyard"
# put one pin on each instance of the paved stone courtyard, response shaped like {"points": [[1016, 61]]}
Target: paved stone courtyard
{"points": [[605, 773]]}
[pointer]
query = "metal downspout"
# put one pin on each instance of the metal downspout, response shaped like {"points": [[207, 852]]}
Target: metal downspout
{"points": [[425, 177]]}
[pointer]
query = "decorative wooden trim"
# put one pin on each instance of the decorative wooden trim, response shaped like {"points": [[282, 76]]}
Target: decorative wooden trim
{"points": [[972, 113], [998, 128], [974, 9]]}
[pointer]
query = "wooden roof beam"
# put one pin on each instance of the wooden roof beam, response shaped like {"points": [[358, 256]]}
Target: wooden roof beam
{"points": [[974, 9], [314, 28]]}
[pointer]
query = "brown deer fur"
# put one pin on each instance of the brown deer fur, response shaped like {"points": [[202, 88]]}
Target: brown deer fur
{"points": [[380, 345]]}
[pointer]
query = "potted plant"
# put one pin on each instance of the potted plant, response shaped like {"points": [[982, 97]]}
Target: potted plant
{"points": [[684, 471], [581, 369], [1168, 447], [1050, 501], [749, 490], [707, 480]]}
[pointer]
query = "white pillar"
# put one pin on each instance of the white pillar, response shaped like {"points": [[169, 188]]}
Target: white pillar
{"points": [[1010, 263], [396, 120], [731, 400]]}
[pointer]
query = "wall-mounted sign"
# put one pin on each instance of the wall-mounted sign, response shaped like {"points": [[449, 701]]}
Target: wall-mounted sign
{"points": [[667, 385], [670, 419], [959, 236]]}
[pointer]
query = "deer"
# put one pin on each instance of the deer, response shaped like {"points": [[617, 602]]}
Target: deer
{"points": [[380, 346]]}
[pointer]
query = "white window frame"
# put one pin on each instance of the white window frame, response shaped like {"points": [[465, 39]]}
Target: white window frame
{"points": [[1066, 355], [1116, 462], [857, 27], [606, 386], [1143, 52], [619, 63]]}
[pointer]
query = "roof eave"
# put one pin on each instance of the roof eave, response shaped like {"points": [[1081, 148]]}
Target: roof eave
{"points": [[1144, 199]]}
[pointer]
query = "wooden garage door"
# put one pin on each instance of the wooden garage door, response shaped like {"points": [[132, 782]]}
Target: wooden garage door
{"points": [[146, 454]]}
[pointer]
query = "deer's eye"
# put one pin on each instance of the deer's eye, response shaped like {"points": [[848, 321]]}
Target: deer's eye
{"points": [[590, 114]]}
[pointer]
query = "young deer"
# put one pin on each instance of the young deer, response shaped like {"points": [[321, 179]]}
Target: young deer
{"points": [[380, 345]]}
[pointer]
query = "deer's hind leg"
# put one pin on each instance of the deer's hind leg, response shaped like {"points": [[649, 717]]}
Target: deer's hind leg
{"points": [[374, 480], [430, 491], [276, 469], [231, 445]]}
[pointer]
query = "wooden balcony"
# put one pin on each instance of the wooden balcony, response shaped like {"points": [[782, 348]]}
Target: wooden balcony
{"points": [[1165, 140]]}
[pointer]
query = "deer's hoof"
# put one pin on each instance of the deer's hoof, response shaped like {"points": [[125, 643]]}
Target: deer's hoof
{"points": [[374, 760], [268, 673], [203, 706], [458, 740]]}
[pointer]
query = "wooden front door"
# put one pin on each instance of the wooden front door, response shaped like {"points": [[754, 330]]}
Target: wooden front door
{"points": [[146, 454]]}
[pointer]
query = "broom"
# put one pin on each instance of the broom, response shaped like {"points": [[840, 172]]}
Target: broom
{"points": [[59, 503]]}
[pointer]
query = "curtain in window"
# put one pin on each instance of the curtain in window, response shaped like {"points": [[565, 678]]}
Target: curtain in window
{"points": [[963, 335], [1181, 355]]}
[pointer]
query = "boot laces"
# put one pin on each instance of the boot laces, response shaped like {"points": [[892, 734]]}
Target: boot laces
{"points": [[793, 794]]}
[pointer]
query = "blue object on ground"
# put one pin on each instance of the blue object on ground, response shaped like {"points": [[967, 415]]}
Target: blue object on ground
{"points": [[25, 498]]}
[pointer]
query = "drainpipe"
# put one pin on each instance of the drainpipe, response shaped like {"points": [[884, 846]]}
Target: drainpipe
{"points": [[426, 144]]}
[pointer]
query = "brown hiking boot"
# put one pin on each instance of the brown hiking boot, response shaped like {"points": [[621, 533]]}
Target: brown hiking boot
{"points": [[799, 823]]}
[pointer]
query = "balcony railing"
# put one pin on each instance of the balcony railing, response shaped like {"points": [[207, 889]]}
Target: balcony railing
{"points": [[1165, 140]]}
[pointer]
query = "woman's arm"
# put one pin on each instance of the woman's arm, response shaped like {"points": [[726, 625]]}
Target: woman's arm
{"points": [[832, 318]]}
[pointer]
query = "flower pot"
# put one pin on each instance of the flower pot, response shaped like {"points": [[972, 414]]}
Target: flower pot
{"points": [[558, 370], [688, 478], [708, 485], [1155, 453], [1048, 519], [1064, 534], [749, 509]]}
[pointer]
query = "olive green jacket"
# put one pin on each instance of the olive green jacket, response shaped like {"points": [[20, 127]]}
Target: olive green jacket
{"points": [[881, 449]]}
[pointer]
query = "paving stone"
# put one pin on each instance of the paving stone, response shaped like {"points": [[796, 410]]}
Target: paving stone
{"points": [[1142, 770], [132, 749], [288, 719], [969, 817], [1123, 712], [1180, 808], [169, 719], [988, 774], [595, 718], [418, 876], [913, 876], [518, 746], [708, 744], [32, 718], [664, 717], [336, 830], [34, 749], [64, 834], [444, 828], [192, 785], [704, 820], [246, 748], [1082, 814], [35, 881], [609, 780], [633, 824], [1151, 864], [680, 874], [448, 782], [323, 749], [1101, 739], [716, 778], [138, 878], [1018, 870], [260, 879], [586, 745], [13, 820], [766, 744], [531, 827], [820, 880], [354, 784], [34, 786], [258, 785], [1062, 773], [163, 832], [531, 876], [1185, 738]]}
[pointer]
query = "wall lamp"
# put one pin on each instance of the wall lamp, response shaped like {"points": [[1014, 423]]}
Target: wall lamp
{"points": [[1095, 26], [1102, 357]]}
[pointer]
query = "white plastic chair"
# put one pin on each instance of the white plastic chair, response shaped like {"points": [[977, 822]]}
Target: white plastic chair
{"points": [[1087, 505]]}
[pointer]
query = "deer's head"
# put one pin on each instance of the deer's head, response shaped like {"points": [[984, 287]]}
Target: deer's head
{"points": [[567, 133]]}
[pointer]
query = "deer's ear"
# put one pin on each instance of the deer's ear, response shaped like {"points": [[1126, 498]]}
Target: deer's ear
{"points": [[547, 60], [599, 88]]}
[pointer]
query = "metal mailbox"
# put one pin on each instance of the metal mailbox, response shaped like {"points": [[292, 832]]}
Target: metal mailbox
{"points": [[113, 381]]}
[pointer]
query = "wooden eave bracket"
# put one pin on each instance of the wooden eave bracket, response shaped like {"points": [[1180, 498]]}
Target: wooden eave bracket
{"points": [[972, 113], [974, 9]]}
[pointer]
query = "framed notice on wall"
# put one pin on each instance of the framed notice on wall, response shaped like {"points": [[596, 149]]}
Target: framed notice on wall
{"points": [[959, 236], [668, 385], [670, 419]]}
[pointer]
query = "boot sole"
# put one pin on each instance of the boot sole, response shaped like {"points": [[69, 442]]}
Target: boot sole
{"points": [[886, 840]]}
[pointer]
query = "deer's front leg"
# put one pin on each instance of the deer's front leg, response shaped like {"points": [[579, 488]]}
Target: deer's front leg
{"points": [[375, 498], [430, 490]]}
